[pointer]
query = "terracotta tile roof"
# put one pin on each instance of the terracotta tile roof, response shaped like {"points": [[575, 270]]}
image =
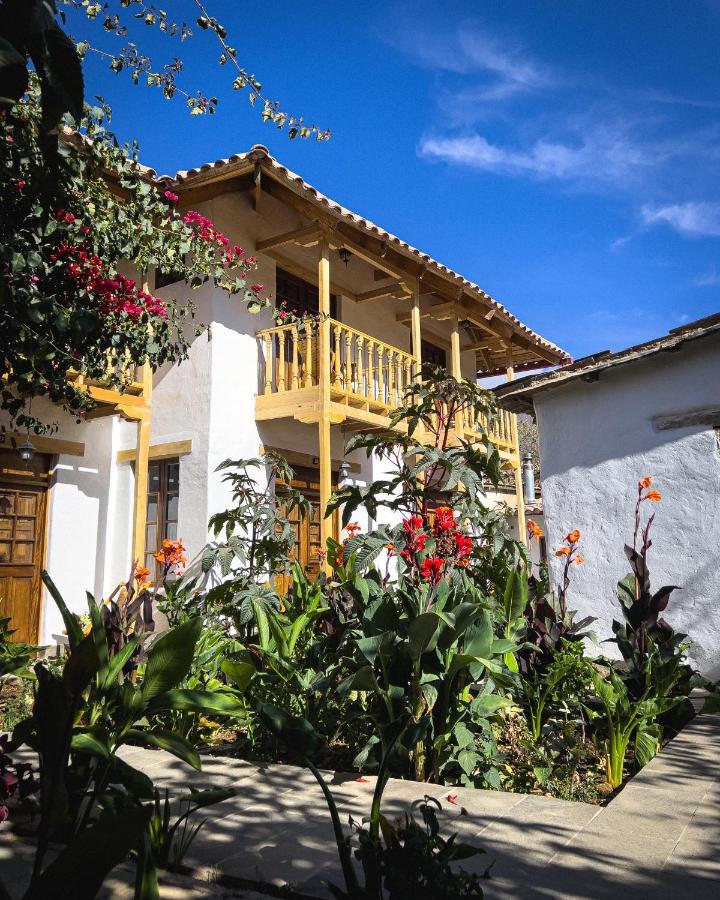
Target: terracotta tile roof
{"points": [[259, 154]]}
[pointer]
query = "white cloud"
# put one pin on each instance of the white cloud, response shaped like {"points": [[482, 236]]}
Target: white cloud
{"points": [[693, 219], [596, 156]]}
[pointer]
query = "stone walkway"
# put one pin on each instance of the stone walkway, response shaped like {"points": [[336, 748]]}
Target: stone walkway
{"points": [[659, 838]]}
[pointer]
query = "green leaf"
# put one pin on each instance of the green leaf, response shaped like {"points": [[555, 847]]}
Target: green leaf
{"points": [[81, 667], [80, 869], [170, 658], [294, 731], [13, 73], [647, 743], [164, 740], [421, 633], [479, 637], [516, 593], [239, 673], [136, 783], [72, 625], [200, 702], [94, 741]]}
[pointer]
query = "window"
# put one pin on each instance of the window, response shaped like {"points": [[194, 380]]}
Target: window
{"points": [[430, 353], [162, 506], [299, 294]]}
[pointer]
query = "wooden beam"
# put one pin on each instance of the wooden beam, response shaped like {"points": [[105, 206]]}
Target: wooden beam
{"points": [[12, 439], [439, 311], [338, 240], [324, 447], [158, 451], [415, 332], [391, 290], [297, 236]]}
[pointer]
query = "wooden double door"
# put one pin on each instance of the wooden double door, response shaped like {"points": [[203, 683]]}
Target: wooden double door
{"points": [[23, 513], [306, 527]]}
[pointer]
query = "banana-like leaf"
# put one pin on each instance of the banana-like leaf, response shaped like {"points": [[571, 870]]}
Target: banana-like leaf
{"points": [[72, 625], [95, 741], [239, 673], [294, 731], [170, 658], [200, 702], [80, 869], [164, 740], [421, 633]]}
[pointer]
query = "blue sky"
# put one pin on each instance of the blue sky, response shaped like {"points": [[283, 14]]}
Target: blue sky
{"points": [[563, 155]]}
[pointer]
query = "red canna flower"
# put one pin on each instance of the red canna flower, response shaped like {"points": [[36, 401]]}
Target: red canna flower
{"points": [[431, 569], [444, 519]]}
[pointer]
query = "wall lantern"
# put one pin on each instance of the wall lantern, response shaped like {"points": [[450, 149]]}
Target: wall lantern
{"points": [[343, 471], [27, 452], [344, 254]]}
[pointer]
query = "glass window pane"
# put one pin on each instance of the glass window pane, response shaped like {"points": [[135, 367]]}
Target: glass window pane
{"points": [[151, 538], [172, 531], [171, 514], [154, 477], [152, 508], [173, 480]]}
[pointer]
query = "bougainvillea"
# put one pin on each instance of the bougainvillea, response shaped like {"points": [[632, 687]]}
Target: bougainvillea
{"points": [[76, 226]]}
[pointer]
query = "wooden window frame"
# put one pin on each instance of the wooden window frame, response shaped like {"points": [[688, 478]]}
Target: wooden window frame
{"points": [[163, 495]]}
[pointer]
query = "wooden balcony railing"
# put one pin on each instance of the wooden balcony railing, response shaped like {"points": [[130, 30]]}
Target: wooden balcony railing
{"points": [[368, 379], [363, 369]]}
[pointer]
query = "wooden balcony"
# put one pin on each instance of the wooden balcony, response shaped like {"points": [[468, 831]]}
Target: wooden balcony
{"points": [[132, 400], [368, 380]]}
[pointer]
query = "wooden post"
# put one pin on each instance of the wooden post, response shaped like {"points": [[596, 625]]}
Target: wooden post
{"points": [[324, 454], [455, 368], [519, 493], [142, 460], [415, 330]]}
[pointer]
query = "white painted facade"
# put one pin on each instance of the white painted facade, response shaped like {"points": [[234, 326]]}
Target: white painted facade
{"points": [[209, 399], [596, 440]]}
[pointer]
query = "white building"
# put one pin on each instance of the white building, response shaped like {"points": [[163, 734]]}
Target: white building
{"points": [[105, 491], [605, 422]]}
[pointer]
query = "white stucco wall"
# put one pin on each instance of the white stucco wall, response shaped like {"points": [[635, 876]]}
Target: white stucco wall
{"points": [[596, 441]]}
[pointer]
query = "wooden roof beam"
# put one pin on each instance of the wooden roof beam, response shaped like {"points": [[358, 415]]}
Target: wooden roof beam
{"points": [[397, 290], [304, 236]]}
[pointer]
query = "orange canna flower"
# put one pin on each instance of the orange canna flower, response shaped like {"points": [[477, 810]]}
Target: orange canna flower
{"points": [[645, 482], [171, 554], [573, 537], [141, 575], [534, 530], [563, 551], [654, 495], [390, 549], [579, 559], [319, 552]]}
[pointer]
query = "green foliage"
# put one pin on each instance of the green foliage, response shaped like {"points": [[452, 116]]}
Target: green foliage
{"points": [[82, 716], [14, 656]]}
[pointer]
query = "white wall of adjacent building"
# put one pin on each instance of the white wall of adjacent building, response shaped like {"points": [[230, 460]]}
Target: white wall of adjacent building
{"points": [[596, 440]]}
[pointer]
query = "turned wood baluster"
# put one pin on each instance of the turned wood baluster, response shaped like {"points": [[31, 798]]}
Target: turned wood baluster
{"points": [[348, 374], [281, 360], [267, 341], [308, 354], [371, 369], [360, 344], [391, 377], [295, 379], [338, 357], [381, 374]]}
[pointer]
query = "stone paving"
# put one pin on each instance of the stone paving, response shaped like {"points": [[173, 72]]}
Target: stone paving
{"points": [[659, 838]]}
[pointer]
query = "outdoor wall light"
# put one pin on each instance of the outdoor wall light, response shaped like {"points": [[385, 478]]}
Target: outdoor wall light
{"points": [[343, 471], [344, 254], [27, 452]]}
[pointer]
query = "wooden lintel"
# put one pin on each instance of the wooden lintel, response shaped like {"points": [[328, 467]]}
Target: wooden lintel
{"points": [[339, 239], [440, 311], [12, 439], [298, 236], [308, 460], [158, 451]]}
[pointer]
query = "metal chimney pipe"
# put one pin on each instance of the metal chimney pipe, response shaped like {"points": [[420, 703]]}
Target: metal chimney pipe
{"points": [[528, 476]]}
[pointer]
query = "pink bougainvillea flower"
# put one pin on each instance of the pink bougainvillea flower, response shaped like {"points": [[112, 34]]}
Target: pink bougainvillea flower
{"points": [[256, 287], [173, 198]]}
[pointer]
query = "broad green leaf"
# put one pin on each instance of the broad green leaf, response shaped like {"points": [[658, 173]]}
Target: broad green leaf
{"points": [[72, 625], [421, 632], [239, 673], [170, 658], [164, 740], [294, 731], [94, 741], [200, 702]]}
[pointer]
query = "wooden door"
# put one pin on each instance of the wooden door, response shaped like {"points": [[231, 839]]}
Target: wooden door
{"points": [[306, 528], [23, 506]]}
